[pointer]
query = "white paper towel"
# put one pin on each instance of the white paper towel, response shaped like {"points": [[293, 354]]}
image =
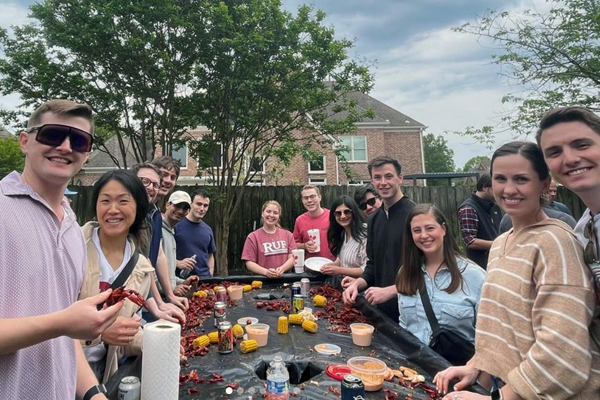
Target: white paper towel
{"points": [[160, 361]]}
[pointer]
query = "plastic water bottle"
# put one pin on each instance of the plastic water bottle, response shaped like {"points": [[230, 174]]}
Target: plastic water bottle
{"points": [[278, 380], [186, 272]]}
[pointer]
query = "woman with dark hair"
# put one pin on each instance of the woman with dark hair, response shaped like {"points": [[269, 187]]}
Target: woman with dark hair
{"points": [[535, 337], [121, 205], [431, 261], [347, 238]]}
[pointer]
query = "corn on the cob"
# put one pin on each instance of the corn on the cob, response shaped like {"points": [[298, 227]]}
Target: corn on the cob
{"points": [[282, 325], [319, 301], [201, 341], [238, 331], [257, 284], [247, 288], [200, 293], [296, 319], [309, 326], [214, 337], [248, 346]]}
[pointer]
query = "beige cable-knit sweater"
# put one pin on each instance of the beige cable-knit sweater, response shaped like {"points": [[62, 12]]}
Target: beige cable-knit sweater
{"points": [[537, 303]]}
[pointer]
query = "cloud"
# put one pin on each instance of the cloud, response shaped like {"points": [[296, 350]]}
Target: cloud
{"points": [[13, 14]]}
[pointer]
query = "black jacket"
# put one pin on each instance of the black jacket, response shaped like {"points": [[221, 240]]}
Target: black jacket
{"points": [[489, 215], [384, 249]]}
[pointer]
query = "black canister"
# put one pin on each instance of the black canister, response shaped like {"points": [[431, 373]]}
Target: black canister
{"points": [[353, 388]]}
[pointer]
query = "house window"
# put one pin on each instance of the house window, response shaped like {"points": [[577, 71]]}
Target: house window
{"points": [[358, 182], [357, 148], [180, 153], [217, 156], [317, 166], [317, 181], [258, 165], [256, 180]]}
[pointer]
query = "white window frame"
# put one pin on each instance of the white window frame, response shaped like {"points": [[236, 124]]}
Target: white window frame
{"points": [[323, 171], [359, 182], [187, 155], [317, 181], [264, 166], [351, 146]]}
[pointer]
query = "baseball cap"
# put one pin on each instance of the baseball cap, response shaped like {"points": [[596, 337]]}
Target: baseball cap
{"points": [[180, 197]]}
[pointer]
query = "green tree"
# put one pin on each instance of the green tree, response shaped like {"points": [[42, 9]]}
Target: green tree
{"points": [[473, 162], [11, 157], [438, 157], [553, 58], [271, 86]]}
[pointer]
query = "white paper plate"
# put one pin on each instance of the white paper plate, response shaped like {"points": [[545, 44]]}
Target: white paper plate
{"points": [[315, 263], [242, 321]]}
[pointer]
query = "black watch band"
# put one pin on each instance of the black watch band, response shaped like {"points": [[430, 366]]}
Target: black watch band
{"points": [[94, 390], [497, 394]]}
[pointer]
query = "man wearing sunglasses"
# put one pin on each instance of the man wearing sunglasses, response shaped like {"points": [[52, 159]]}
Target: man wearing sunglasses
{"points": [[569, 137], [42, 262], [367, 199]]}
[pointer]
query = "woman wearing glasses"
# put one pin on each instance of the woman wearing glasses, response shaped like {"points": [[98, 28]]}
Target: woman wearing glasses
{"points": [[431, 261], [121, 206], [268, 250], [534, 339], [347, 238]]}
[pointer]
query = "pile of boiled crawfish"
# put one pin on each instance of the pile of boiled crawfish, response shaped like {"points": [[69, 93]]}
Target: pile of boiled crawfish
{"points": [[341, 319]]}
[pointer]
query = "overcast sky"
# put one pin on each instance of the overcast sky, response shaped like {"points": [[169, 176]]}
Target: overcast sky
{"points": [[443, 79]]}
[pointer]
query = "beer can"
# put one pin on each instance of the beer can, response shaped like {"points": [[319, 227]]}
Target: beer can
{"points": [[220, 312], [352, 388], [296, 289], [298, 304], [222, 294], [130, 388], [305, 286], [225, 330]]}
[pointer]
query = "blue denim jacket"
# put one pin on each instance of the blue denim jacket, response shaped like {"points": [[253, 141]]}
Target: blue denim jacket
{"points": [[455, 311]]}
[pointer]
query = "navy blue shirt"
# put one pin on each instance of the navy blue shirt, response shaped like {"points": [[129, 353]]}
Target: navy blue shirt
{"points": [[195, 238]]}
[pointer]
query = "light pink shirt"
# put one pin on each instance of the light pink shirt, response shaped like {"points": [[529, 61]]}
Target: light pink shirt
{"points": [[304, 223], [42, 261], [269, 250]]}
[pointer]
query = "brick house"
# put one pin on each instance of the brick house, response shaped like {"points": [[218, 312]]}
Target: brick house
{"points": [[390, 133]]}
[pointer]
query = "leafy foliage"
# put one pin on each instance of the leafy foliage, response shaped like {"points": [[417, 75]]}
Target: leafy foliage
{"points": [[473, 162], [11, 157], [553, 58], [438, 157]]}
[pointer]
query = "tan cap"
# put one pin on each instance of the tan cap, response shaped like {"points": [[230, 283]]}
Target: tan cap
{"points": [[180, 197]]}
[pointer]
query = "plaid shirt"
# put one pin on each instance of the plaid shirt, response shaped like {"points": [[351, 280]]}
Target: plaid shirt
{"points": [[469, 224]]}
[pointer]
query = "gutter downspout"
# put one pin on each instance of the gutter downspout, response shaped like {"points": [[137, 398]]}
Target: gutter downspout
{"points": [[422, 156]]}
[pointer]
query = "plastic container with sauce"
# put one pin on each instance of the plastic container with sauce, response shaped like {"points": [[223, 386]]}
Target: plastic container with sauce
{"points": [[236, 292], [258, 332], [371, 370], [362, 334]]}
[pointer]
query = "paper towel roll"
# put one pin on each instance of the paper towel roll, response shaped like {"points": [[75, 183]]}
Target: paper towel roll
{"points": [[160, 361]]}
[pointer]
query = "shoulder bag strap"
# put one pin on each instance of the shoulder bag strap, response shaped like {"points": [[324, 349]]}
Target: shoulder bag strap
{"points": [[120, 281], [428, 309]]}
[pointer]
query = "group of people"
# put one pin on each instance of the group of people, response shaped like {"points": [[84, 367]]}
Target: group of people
{"points": [[526, 299]]}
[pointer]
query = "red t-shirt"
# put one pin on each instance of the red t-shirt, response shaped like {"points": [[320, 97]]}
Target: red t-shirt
{"points": [[304, 223], [269, 250]]}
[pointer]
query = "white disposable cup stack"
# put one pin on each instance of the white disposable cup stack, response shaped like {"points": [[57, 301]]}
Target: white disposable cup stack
{"points": [[298, 255]]}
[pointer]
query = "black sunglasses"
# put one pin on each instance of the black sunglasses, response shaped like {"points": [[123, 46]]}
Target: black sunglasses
{"points": [[590, 253], [338, 214], [54, 135], [370, 202]]}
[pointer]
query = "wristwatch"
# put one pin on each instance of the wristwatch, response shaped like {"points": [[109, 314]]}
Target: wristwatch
{"points": [[497, 394], [94, 390]]}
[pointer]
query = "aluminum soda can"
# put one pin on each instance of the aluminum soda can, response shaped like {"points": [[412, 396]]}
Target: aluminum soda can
{"points": [[305, 286], [222, 294], [225, 330], [130, 388], [296, 289], [220, 312], [298, 304], [353, 388]]}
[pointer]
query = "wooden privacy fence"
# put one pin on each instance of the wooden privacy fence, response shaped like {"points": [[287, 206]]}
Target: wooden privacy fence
{"points": [[448, 199]]}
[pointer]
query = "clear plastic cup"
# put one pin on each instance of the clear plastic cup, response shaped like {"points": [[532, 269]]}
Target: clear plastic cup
{"points": [[236, 292], [258, 332], [371, 370], [362, 334]]}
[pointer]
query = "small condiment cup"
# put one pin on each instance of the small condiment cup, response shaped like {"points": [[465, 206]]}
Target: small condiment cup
{"points": [[362, 334], [236, 292], [258, 332]]}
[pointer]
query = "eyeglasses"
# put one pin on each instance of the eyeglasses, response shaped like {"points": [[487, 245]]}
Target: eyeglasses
{"points": [[371, 202], [54, 135], [147, 182], [311, 197], [346, 213], [590, 253]]}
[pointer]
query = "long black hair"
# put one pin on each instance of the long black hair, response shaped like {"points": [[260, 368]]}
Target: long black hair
{"points": [[335, 233], [134, 185], [410, 276]]}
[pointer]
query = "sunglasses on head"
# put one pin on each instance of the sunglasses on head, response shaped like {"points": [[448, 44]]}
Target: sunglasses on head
{"points": [[55, 134], [590, 253], [371, 202], [346, 213]]}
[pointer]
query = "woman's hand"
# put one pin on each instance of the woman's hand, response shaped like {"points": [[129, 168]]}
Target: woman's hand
{"points": [[122, 332], [180, 302], [347, 281], [330, 269], [465, 396], [467, 375]]}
